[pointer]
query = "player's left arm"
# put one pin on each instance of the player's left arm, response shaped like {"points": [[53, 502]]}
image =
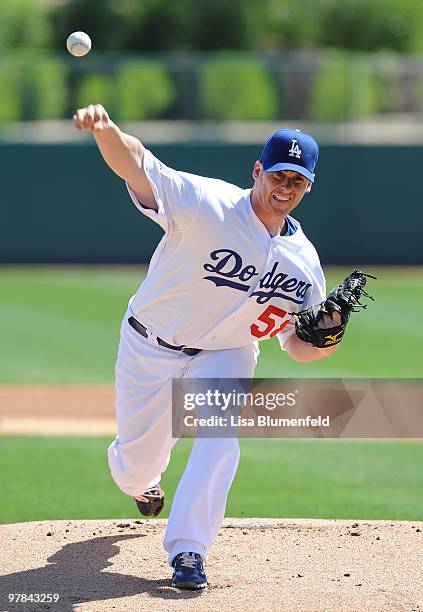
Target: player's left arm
{"points": [[320, 328]]}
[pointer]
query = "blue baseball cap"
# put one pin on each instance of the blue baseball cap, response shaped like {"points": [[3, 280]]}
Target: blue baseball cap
{"points": [[290, 150]]}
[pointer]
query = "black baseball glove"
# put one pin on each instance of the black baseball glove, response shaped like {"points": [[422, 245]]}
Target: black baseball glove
{"points": [[345, 299]]}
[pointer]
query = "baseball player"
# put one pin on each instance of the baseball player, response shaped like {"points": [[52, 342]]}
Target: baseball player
{"points": [[231, 270]]}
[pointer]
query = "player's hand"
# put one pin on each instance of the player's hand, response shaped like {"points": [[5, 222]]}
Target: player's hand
{"points": [[92, 118], [329, 320]]}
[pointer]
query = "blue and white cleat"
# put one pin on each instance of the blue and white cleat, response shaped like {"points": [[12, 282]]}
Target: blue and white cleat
{"points": [[188, 571]]}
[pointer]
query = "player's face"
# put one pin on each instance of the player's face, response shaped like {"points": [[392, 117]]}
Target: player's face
{"points": [[278, 193]]}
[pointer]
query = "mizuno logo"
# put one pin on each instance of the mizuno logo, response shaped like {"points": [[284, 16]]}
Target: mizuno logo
{"points": [[332, 339]]}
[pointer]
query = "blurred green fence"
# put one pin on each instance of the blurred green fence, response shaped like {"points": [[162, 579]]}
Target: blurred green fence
{"points": [[323, 87], [60, 203]]}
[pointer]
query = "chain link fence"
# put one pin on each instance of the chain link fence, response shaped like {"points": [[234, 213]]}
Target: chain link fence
{"points": [[328, 87]]}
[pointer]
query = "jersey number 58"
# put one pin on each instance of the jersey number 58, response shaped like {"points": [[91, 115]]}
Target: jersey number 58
{"points": [[270, 318]]}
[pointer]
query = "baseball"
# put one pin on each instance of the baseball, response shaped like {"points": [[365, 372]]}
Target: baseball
{"points": [[78, 44]]}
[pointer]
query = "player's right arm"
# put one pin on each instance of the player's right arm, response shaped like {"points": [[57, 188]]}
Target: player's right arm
{"points": [[121, 152]]}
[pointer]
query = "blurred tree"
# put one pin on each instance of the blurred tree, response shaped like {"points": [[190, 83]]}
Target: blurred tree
{"points": [[330, 92], [107, 22], [24, 24], [369, 26], [96, 89], [268, 25], [387, 71], [157, 25], [44, 88], [162, 26], [234, 87], [10, 87], [287, 25], [137, 77], [227, 25], [345, 87], [415, 40]]}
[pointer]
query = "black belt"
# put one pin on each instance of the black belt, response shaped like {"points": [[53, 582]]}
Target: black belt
{"points": [[143, 331]]}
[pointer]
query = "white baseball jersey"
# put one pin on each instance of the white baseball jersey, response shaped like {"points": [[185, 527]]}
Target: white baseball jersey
{"points": [[217, 279]]}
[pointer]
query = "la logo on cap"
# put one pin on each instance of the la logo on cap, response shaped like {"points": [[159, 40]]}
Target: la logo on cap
{"points": [[295, 150]]}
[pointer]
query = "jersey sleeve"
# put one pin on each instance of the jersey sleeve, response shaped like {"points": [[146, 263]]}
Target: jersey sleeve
{"points": [[316, 296], [177, 194], [286, 333]]}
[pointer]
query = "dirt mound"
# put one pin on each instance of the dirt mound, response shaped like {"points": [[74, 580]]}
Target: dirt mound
{"points": [[256, 564], [61, 410]]}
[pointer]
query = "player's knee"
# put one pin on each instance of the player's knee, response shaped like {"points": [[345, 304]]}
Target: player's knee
{"points": [[134, 470], [221, 450]]}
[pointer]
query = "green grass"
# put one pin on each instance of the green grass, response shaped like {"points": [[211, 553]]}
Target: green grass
{"points": [[62, 325], [67, 478]]}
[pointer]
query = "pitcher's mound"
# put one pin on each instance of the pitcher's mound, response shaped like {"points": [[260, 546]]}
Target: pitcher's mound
{"points": [[255, 564]]}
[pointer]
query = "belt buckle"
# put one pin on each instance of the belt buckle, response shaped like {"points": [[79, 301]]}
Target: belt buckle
{"points": [[186, 350]]}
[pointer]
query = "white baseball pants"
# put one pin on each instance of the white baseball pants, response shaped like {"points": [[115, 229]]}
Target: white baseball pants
{"points": [[141, 451]]}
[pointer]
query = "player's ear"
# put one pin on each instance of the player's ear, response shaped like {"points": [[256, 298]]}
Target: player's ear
{"points": [[309, 186], [256, 170]]}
